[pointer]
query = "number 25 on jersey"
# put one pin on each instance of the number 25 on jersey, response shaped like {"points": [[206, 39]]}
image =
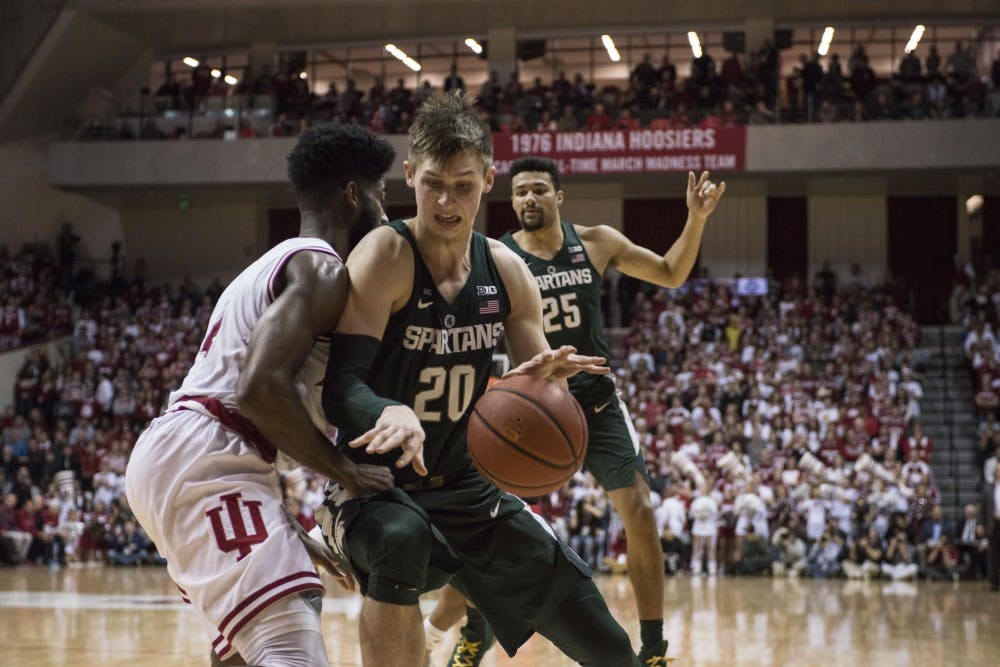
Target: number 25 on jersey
{"points": [[560, 313]]}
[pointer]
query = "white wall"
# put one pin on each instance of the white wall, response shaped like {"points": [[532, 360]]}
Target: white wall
{"points": [[205, 241], [735, 238], [591, 204], [845, 229], [33, 211]]}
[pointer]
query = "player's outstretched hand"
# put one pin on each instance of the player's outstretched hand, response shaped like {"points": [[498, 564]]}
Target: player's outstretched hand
{"points": [[560, 364], [398, 427], [703, 194], [320, 554]]}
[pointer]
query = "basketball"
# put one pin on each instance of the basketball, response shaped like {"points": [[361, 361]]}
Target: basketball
{"points": [[527, 435]]}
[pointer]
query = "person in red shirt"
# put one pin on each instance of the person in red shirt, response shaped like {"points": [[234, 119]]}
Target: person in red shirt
{"points": [[598, 119]]}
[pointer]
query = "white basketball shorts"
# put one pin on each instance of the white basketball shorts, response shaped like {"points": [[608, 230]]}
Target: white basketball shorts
{"points": [[212, 506]]}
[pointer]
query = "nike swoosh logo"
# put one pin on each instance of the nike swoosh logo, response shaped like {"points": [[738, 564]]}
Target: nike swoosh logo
{"points": [[424, 304], [496, 509], [599, 408]]}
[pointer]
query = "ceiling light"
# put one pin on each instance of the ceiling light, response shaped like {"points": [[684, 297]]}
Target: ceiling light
{"points": [[824, 43], [918, 32], [231, 80], [609, 44], [401, 55], [695, 44], [476, 47], [190, 62], [303, 75], [216, 74]]}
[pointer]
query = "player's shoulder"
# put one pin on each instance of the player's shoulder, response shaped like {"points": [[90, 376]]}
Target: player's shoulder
{"points": [[511, 266], [308, 266], [598, 234], [382, 244], [502, 253]]}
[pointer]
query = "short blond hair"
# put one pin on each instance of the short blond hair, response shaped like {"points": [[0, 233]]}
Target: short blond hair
{"points": [[447, 124]]}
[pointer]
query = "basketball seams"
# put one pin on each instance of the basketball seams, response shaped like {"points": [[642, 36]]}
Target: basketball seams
{"points": [[528, 453], [549, 415], [519, 489]]}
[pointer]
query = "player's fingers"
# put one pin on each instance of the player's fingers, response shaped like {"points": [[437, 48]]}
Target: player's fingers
{"points": [[344, 579], [690, 180], [586, 359], [364, 438], [720, 189], [418, 462], [387, 442], [412, 453]]}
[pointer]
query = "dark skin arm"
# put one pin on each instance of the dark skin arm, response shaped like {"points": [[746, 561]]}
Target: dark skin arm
{"points": [[309, 306]]}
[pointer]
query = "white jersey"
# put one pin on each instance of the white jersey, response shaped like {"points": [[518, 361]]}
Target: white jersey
{"points": [[212, 379]]}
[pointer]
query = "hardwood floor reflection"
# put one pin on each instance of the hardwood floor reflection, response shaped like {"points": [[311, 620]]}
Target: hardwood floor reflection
{"points": [[106, 616]]}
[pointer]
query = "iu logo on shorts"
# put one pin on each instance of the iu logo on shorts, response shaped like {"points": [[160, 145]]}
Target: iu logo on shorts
{"points": [[241, 540]]}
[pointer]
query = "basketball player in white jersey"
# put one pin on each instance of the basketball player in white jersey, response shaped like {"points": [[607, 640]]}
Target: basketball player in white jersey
{"points": [[201, 480]]}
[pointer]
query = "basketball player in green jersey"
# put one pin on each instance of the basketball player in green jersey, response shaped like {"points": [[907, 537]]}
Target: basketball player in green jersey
{"points": [[568, 263], [412, 352]]}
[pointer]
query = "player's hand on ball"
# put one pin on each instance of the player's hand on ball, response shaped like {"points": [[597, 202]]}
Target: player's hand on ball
{"points": [[703, 194], [560, 364], [398, 427]]}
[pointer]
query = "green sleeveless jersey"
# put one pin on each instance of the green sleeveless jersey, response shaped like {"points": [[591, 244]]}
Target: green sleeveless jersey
{"points": [[571, 308], [436, 358]]}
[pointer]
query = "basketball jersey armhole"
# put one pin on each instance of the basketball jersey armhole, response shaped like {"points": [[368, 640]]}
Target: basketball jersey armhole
{"points": [[278, 272], [569, 228]]}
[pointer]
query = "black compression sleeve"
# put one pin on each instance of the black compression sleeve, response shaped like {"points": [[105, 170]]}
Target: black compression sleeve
{"points": [[348, 401]]}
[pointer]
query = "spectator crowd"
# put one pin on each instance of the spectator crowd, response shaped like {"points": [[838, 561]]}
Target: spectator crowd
{"points": [[782, 436], [740, 90], [781, 427]]}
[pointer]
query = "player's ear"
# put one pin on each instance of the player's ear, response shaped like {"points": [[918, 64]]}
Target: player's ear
{"points": [[352, 194], [559, 197], [410, 171], [491, 173]]}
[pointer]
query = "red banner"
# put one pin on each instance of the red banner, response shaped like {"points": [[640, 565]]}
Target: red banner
{"points": [[643, 151]]}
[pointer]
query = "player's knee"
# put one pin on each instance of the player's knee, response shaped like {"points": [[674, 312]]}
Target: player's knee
{"points": [[613, 648], [399, 571], [635, 507], [407, 538]]}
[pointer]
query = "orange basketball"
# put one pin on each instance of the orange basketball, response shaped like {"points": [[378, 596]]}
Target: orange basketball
{"points": [[527, 435]]}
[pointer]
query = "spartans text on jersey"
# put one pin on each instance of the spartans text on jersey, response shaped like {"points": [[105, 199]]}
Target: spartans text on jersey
{"points": [[453, 341], [569, 278]]}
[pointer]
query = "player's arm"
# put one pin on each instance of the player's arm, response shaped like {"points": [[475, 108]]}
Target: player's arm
{"points": [[672, 268], [381, 269], [527, 348], [308, 307]]}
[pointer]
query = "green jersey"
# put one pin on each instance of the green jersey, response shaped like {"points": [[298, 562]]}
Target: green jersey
{"points": [[571, 308], [436, 357]]}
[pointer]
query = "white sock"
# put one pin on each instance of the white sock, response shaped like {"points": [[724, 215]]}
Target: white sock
{"points": [[432, 635]]}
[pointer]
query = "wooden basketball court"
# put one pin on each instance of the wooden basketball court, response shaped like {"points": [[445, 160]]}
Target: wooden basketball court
{"points": [[124, 616]]}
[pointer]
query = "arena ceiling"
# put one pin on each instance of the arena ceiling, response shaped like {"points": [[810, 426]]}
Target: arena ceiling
{"points": [[176, 25]]}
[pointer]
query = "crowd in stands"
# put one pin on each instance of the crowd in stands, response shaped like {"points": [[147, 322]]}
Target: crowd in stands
{"points": [[976, 303], [81, 411], [800, 412], [740, 90], [781, 430]]}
